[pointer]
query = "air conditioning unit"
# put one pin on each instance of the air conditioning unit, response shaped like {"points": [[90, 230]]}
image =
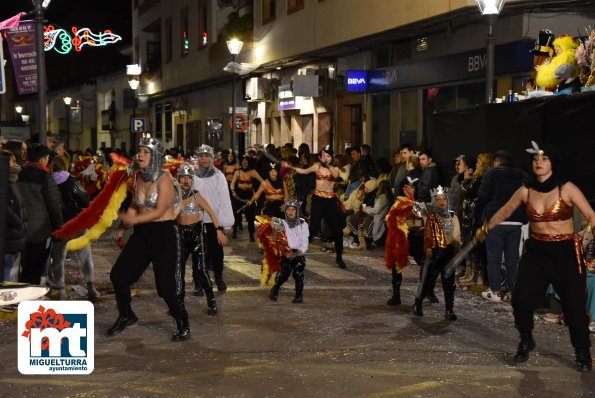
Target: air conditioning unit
{"points": [[259, 89]]}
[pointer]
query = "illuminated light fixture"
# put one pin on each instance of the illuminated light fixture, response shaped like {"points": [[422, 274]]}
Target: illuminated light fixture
{"points": [[67, 100], [25, 118], [205, 39], [134, 83], [234, 46], [278, 68], [19, 109], [490, 7], [46, 3], [59, 39], [133, 70], [422, 44]]}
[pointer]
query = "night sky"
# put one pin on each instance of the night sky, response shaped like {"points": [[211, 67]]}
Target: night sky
{"points": [[78, 67]]}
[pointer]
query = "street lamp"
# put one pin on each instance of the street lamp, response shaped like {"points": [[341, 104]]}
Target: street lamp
{"points": [[67, 102], [235, 46], [133, 71], [490, 10]]}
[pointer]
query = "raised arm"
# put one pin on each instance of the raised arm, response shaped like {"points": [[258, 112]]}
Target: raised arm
{"points": [[311, 169]]}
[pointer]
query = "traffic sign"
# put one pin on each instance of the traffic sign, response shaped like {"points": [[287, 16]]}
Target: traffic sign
{"points": [[241, 123], [138, 125]]}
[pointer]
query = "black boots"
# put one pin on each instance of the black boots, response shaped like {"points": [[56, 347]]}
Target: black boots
{"points": [[274, 294], [340, 263], [397, 278], [124, 319], [416, 309], [449, 315], [432, 298], [221, 286], [583, 360], [211, 303], [251, 237], [183, 329], [526, 345], [198, 291]]}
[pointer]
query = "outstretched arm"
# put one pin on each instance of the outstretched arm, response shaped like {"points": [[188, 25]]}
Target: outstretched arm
{"points": [[309, 170]]}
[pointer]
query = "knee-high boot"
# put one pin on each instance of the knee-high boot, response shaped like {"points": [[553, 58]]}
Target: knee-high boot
{"points": [[280, 279], [339, 251], [211, 302], [298, 275], [397, 279], [178, 311], [449, 299], [526, 345]]}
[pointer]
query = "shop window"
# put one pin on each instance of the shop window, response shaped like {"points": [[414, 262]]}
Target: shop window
{"points": [[184, 39], [203, 35], [269, 11], [294, 6], [168, 40]]}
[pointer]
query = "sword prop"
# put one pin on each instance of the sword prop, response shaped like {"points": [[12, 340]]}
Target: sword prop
{"points": [[450, 268], [238, 211]]}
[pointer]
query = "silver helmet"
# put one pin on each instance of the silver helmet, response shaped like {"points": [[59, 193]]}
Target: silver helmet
{"points": [[185, 169], [155, 167]]}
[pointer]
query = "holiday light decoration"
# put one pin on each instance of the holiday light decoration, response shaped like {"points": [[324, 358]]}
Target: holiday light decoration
{"points": [[62, 42]]}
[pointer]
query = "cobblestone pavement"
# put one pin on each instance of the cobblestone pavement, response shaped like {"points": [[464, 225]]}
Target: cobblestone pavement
{"points": [[343, 341]]}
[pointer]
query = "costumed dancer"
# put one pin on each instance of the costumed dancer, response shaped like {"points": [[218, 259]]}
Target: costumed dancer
{"points": [[401, 222], [565, 48], [274, 193], [553, 254], [325, 203], [290, 243], [442, 238], [190, 221], [211, 184], [242, 190], [156, 239], [229, 169]]}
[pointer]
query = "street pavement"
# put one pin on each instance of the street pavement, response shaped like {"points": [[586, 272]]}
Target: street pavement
{"points": [[343, 341]]}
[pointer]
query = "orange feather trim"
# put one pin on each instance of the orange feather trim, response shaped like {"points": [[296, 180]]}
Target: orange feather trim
{"points": [[90, 216], [396, 252], [270, 262]]}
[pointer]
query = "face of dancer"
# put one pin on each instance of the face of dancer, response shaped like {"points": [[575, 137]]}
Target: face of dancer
{"points": [[409, 191], [204, 160], [273, 174], [442, 201], [325, 158], [143, 157], [245, 163], [230, 157], [186, 182], [542, 167], [291, 212]]}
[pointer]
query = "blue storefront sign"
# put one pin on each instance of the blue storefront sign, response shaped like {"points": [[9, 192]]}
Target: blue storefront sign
{"points": [[357, 81], [508, 58]]}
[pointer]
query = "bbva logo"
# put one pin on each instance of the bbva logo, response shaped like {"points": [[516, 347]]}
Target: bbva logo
{"points": [[56, 337], [356, 80]]}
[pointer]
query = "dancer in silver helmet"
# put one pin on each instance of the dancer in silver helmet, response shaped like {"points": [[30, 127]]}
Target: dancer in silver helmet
{"points": [[156, 239]]}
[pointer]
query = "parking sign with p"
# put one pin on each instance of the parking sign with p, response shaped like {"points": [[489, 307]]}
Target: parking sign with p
{"points": [[138, 125]]}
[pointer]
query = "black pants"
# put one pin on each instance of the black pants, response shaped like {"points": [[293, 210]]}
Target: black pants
{"points": [[293, 266], [157, 243], [328, 209], [249, 211], [213, 251], [543, 263], [429, 273], [33, 259], [192, 245], [273, 208]]}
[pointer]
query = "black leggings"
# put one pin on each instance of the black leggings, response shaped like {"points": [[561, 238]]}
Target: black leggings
{"points": [[543, 263], [328, 208], [249, 211], [192, 244], [156, 243]]}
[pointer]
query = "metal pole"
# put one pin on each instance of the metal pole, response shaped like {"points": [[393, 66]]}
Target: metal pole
{"points": [[41, 80], [4, 170], [236, 139], [490, 59], [67, 127]]}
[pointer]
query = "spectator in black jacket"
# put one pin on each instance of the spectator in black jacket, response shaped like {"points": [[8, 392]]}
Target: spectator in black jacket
{"points": [[74, 200], [430, 176], [497, 186], [359, 163], [42, 203], [16, 219]]}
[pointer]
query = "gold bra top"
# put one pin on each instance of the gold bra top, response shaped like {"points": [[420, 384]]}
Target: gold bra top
{"points": [[326, 177], [558, 211]]}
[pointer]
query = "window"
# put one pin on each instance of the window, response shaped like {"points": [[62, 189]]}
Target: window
{"points": [[203, 36], [153, 55], [159, 121], [168, 38], [294, 6], [269, 11], [168, 121], [184, 39]]}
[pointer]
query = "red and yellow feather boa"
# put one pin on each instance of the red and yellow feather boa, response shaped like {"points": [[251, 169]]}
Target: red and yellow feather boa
{"points": [[396, 252], [270, 262], [102, 211]]}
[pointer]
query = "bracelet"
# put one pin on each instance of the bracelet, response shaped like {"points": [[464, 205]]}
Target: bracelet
{"points": [[220, 228]]}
